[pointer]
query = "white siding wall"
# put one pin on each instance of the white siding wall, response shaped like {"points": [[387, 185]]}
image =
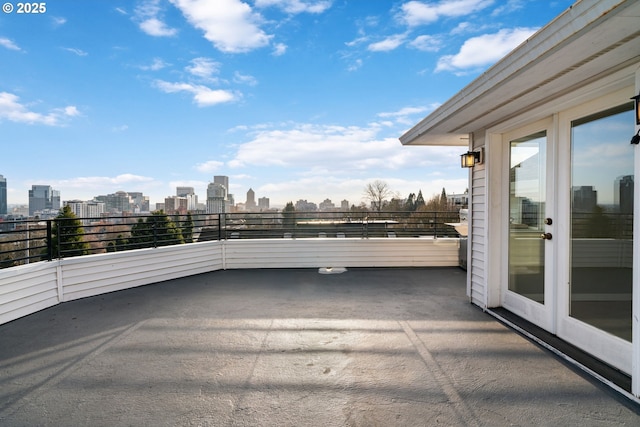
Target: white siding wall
{"points": [[374, 252], [476, 262], [99, 274], [30, 288], [27, 289]]}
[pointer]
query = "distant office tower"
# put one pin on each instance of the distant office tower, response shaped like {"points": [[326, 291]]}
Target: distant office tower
{"points": [[263, 203], [175, 205], [43, 197], [250, 204], [327, 205], [190, 194], [120, 201], [222, 180], [86, 210], [344, 205], [139, 202], [3, 196], [303, 205], [585, 198], [623, 194], [216, 197]]}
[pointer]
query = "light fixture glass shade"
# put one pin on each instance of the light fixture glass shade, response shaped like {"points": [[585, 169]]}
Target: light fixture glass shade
{"points": [[468, 159]]}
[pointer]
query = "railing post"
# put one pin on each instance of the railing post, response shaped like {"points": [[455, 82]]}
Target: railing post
{"points": [[435, 225], [49, 240], [154, 226], [220, 218]]}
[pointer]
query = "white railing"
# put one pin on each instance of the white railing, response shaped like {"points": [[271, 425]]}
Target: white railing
{"points": [[29, 288]]}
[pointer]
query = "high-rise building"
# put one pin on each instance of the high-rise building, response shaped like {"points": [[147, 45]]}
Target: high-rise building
{"points": [[344, 205], [327, 205], [623, 194], [43, 197], [86, 210], [263, 203], [222, 180], [585, 198], [120, 201], [3, 196], [175, 204], [190, 194], [139, 202], [250, 204], [216, 198]]}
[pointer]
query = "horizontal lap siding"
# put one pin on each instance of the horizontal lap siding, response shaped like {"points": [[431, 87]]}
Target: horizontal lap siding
{"points": [[112, 272], [312, 253], [478, 232], [27, 289]]}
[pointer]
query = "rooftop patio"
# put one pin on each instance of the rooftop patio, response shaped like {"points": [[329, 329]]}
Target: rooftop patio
{"points": [[370, 346]]}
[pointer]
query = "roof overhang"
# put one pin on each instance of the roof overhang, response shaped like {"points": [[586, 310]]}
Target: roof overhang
{"points": [[590, 40]]}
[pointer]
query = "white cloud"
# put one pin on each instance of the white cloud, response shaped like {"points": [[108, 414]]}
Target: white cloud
{"points": [[58, 21], [11, 109], [157, 28], [390, 43], [78, 52], [416, 13], [156, 64], [297, 6], [244, 79], [209, 166], [484, 50], [279, 49], [203, 67], [87, 187], [231, 25], [121, 11], [148, 17], [203, 96], [9, 44], [426, 43], [407, 115], [340, 149], [71, 111], [120, 128], [355, 65]]}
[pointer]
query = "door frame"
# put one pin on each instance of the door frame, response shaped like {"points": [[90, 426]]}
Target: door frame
{"points": [[542, 315]]}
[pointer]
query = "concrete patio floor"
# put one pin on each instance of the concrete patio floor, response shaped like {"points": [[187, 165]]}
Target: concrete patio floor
{"points": [[369, 347]]}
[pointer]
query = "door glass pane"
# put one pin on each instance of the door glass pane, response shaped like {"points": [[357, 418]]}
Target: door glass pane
{"points": [[527, 171], [602, 220]]}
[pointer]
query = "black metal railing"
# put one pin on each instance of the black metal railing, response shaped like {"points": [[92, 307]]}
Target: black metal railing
{"points": [[32, 240]]}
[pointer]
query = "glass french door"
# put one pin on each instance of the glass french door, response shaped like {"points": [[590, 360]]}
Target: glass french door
{"points": [[596, 311], [530, 228]]}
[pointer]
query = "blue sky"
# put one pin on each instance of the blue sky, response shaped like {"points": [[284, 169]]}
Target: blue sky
{"points": [[295, 99]]}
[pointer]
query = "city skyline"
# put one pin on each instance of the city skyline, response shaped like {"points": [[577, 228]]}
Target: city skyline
{"points": [[293, 99]]}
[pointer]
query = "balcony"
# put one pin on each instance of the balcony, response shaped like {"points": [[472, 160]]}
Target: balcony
{"points": [[370, 346], [249, 332]]}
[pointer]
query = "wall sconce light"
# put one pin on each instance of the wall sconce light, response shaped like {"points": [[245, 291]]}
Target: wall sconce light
{"points": [[471, 158], [636, 138], [637, 100]]}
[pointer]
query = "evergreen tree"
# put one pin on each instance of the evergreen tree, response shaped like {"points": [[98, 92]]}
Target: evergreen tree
{"points": [[186, 227], [156, 230], [410, 205], [443, 198], [419, 201], [288, 216], [67, 235]]}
